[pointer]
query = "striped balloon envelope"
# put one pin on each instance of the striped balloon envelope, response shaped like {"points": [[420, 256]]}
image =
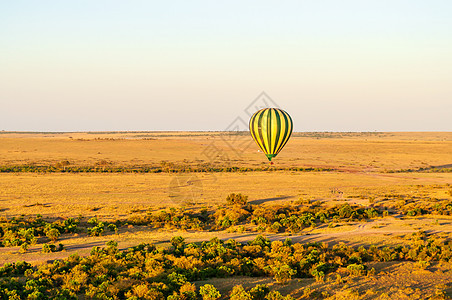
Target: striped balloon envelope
{"points": [[271, 128]]}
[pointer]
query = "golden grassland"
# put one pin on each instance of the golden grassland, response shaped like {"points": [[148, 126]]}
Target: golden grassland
{"points": [[117, 195], [359, 161], [385, 151]]}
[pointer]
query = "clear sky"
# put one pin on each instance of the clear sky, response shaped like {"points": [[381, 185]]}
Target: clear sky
{"points": [[333, 65]]}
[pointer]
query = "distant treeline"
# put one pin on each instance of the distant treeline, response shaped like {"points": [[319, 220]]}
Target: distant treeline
{"points": [[146, 169], [331, 134], [422, 170], [166, 134], [182, 169]]}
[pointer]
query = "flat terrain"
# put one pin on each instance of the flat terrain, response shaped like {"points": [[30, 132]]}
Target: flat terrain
{"points": [[362, 169], [352, 151], [117, 195]]}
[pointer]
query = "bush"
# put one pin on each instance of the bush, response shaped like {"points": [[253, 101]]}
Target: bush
{"points": [[284, 273], [71, 225], [178, 244], [187, 291], [113, 227], [209, 292], [356, 269], [144, 272], [259, 291], [24, 247], [98, 229], [18, 237], [275, 295], [236, 199], [239, 293], [422, 264], [53, 234], [48, 248]]}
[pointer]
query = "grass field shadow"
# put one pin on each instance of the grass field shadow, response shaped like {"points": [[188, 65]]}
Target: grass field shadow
{"points": [[260, 201]]}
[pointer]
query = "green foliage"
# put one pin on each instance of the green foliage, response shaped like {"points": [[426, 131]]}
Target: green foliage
{"points": [[144, 272], [275, 295], [53, 234], [259, 292], [286, 218], [15, 269], [261, 241], [283, 273], [113, 227], [25, 231], [98, 227], [209, 292], [48, 248], [422, 264], [227, 217], [356, 269], [236, 199], [18, 237], [70, 225], [239, 293], [178, 243], [168, 167]]}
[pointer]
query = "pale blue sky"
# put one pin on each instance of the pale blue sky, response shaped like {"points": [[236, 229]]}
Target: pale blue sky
{"points": [[196, 65]]}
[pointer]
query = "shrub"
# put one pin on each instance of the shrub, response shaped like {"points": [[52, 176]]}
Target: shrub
{"points": [[209, 292], [71, 225], [187, 291], [356, 269], [98, 229], [142, 291], [48, 248], [422, 264], [53, 234], [225, 218], [236, 199], [113, 227], [275, 295], [284, 273], [239, 293], [19, 237], [259, 291], [24, 247], [178, 243]]}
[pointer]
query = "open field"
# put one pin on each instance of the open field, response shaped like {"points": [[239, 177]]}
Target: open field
{"points": [[354, 151], [379, 190], [117, 195]]}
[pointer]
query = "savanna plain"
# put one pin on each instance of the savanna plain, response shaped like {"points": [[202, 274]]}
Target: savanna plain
{"points": [[203, 215]]}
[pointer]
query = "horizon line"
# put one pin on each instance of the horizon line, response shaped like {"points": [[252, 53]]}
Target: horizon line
{"points": [[198, 131]]}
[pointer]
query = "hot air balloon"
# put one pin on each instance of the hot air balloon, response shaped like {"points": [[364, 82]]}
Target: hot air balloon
{"points": [[271, 129]]}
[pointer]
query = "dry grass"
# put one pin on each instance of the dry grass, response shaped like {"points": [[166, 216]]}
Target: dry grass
{"points": [[116, 195], [356, 152]]}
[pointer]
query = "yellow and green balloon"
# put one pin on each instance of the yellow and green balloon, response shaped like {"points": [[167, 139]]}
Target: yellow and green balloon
{"points": [[271, 128]]}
